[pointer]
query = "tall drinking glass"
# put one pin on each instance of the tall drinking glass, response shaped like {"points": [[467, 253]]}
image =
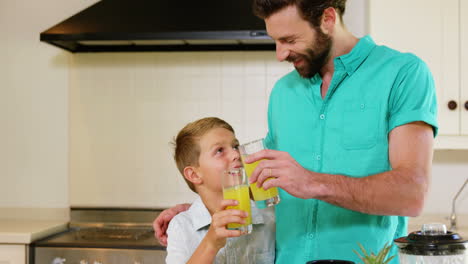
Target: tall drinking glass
{"points": [[263, 198], [236, 187]]}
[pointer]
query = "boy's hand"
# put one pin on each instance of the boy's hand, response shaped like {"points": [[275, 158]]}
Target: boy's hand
{"points": [[218, 232]]}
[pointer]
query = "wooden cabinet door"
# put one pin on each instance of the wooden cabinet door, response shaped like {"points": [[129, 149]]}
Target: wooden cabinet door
{"points": [[12, 254], [429, 29]]}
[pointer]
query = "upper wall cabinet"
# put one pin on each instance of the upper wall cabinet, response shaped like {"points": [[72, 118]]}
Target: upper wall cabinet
{"points": [[435, 31]]}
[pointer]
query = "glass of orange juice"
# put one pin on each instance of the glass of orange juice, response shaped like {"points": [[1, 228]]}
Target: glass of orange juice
{"points": [[236, 187], [263, 198]]}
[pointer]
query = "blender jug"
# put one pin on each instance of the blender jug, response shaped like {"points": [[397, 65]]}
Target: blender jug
{"points": [[432, 245]]}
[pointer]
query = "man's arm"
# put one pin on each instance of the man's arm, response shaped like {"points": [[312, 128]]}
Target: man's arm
{"points": [[161, 222], [400, 191]]}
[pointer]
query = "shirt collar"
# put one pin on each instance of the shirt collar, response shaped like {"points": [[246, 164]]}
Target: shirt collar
{"points": [[199, 213], [201, 217], [352, 60]]}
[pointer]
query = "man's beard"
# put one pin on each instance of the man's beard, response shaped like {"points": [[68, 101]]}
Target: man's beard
{"points": [[316, 56]]}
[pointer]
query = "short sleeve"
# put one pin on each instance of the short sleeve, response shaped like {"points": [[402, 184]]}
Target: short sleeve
{"points": [[413, 96]]}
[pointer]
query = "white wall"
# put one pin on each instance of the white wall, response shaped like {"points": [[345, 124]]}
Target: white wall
{"points": [[356, 17], [33, 105], [450, 170], [127, 107]]}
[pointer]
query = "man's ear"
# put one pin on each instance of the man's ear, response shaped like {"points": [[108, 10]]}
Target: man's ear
{"points": [[191, 174], [329, 19]]}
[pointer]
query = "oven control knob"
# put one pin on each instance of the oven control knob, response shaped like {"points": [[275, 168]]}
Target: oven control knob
{"points": [[58, 261], [97, 262], [83, 262]]}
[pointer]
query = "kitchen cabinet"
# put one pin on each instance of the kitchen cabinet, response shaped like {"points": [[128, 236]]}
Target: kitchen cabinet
{"points": [[435, 31], [12, 254], [464, 66]]}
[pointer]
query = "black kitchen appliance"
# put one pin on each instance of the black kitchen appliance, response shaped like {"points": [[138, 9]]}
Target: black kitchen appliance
{"points": [[159, 25], [432, 245]]}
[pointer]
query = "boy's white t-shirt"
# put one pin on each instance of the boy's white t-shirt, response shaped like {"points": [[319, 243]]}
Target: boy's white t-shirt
{"points": [[187, 229]]}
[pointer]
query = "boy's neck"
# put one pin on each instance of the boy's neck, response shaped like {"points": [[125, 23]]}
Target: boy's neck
{"points": [[211, 200]]}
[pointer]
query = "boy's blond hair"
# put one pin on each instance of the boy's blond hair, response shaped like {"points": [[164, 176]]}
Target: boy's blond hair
{"points": [[186, 144]]}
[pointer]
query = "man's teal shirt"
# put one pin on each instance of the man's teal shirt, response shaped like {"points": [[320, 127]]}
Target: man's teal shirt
{"points": [[373, 90]]}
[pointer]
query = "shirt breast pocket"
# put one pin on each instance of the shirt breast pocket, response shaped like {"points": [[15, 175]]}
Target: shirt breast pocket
{"points": [[360, 125]]}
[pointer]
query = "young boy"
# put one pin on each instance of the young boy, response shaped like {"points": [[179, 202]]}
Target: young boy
{"points": [[203, 150]]}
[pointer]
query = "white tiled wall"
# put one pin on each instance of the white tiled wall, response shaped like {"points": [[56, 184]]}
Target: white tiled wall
{"points": [[125, 108]]}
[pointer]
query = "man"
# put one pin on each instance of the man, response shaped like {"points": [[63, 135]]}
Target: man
{"points": [[350, 135]]}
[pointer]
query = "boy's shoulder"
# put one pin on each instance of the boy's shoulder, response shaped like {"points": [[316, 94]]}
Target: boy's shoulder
{"points": [[195, 218]]}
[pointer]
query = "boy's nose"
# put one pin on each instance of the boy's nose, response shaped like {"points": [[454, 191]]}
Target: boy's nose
{"points": [[235, 155]]}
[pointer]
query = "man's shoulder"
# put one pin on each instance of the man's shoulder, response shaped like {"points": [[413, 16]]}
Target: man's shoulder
{"points": [[385, 53]]}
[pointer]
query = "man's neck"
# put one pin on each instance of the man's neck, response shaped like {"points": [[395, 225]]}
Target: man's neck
{"points": [[343, 43]]}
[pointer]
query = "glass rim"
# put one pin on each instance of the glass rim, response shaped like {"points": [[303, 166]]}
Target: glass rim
{"points": [[233, 169], [253, 141], [238, 173]]}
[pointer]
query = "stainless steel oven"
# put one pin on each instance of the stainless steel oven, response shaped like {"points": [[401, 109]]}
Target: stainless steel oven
{"points": [[102, 236]]}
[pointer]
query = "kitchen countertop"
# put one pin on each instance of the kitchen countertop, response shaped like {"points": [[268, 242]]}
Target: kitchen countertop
{"points": [[25, 231]]}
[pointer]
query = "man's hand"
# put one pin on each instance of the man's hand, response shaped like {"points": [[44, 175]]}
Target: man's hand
{"points": [[283, 171], [161, 223]]}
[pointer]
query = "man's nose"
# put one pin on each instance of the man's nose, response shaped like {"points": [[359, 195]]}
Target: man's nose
{"points": [[282, 52]]}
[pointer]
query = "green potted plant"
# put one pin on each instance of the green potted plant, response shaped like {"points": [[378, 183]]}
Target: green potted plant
{"points": [[380, 258]]}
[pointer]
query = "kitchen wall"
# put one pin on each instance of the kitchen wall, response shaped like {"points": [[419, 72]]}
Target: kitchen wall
{"points": [[94, 129], [126, 108], [33, 109]]}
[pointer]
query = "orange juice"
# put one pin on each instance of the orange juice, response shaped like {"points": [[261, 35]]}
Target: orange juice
{"points": [[241, 194], [259, 194]]}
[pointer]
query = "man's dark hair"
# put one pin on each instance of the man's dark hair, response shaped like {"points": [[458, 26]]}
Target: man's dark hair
{"points": [[310, 10]]}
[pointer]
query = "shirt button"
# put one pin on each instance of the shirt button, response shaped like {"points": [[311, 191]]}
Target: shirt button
{"points": [[319, 157], [311, 235], [362, 106], [322, 116]]}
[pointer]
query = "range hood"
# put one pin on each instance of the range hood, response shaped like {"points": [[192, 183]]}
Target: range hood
{"points": [[161, 25]]}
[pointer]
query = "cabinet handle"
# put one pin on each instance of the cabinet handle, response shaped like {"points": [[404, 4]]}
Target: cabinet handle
{"points": [[466, 105], [452, 105]]}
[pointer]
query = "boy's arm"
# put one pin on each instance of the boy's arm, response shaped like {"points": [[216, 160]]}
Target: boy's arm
{"points": [[215, 238], [206, 252]]}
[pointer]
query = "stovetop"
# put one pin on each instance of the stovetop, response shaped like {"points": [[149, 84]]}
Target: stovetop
{"points": [[107, 228], [129, 238]]}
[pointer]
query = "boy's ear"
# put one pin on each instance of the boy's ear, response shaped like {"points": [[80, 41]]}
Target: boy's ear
{"points": [[190, 173]]}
